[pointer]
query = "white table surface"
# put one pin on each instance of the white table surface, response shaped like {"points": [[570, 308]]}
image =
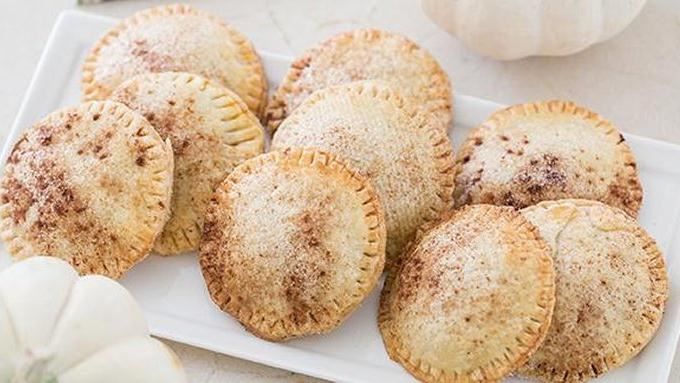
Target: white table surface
{"points": [[634, 80]]}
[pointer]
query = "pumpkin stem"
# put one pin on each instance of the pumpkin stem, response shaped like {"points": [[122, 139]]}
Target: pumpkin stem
{"points": [[32, 368]]}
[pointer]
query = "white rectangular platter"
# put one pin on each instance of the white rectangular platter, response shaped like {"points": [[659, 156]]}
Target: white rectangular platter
{"points": [[173, 296]]}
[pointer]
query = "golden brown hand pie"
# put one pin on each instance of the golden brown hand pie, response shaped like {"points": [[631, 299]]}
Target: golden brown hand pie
{"points": [[549, 150], [366, 54], [611, 288], [175, 38], [293, 241], [89, 184], [408, 160], [471, 300]]}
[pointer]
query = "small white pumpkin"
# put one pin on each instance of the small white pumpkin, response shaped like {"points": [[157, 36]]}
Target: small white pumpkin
{"points": [[512, 29], [57, 327]]}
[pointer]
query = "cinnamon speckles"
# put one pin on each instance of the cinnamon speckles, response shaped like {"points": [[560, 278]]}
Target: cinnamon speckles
{"points": [[55, 196], [292, 242], [45, 137], [43, 189], [544, 151], [17, 197], [99, 146], [543, 176], [410, 276], [70, 189], [311, 224], [301, 292], [151, 59], [482, 270]]}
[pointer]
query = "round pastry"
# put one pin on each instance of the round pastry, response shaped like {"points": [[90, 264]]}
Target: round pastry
{"points": [[293, 241], [471, 300], [408, 160], [175, 38], [211, 131], [365, 54], [611, 286], [89, 184], [549, 150]]}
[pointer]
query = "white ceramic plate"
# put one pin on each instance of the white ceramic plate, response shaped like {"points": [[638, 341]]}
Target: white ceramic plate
{"points": [[177, 306]]}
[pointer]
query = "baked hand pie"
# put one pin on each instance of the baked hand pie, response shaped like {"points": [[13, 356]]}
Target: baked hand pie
{"points": [[293, 241], [89, 184], [472, 299], [548, 150], [366, 54], [611, 286], [176, 38]]}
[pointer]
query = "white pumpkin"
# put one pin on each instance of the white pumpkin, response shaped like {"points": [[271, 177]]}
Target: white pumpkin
{"points": [[512, 29], [57, 327]]}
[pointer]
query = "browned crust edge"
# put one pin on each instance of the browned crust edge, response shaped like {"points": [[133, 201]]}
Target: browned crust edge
{"points": [[659, 277], [630, 178], [92, 90], [277, 110], [276, 329], [502, 366]]}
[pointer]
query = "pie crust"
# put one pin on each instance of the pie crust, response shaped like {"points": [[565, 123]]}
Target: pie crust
{"points": [[293, 241]]}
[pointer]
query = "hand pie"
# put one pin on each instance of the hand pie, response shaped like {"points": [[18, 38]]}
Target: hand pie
{"points": [[471, 300], [176, 38], [366, 54], [611, 286], [293, 241], [549, 150], [89, 184]]}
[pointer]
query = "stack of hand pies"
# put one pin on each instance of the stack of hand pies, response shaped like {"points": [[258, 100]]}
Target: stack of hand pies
{"points": [[522, 254]]}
